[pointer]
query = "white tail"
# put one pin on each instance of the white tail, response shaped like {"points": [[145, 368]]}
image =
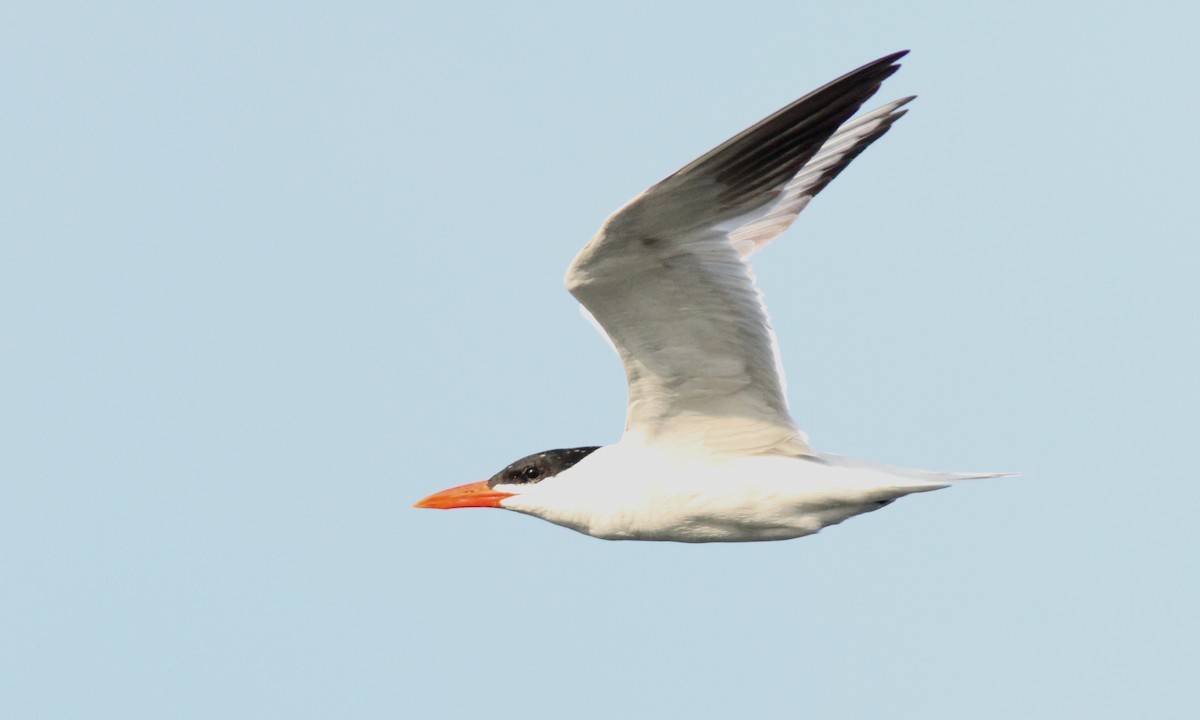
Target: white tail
{"points": [[913, 473]]}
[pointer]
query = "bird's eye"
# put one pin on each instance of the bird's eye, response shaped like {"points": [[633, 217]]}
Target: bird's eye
{"points": [[531, 472]]}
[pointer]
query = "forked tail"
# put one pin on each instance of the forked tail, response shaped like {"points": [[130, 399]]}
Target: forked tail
{"points": [[912, 473]]}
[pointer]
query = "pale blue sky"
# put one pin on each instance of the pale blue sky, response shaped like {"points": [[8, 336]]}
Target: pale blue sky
{"points": [[269, 273]]}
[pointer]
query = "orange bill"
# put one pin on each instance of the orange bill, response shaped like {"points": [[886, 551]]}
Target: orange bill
{"points": [[476, 494]]}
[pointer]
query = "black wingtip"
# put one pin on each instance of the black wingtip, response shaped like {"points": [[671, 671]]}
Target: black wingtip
{"points": [[887, 60], [750, 166]]}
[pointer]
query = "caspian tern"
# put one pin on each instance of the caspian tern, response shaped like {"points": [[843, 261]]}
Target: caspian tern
{"points": [[710, 452]]}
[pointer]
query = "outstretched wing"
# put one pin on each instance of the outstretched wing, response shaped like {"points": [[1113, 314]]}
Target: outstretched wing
{"points": [[669, 281]]}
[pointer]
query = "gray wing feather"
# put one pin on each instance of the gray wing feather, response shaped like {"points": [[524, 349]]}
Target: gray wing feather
{"points": [[668, 280]]}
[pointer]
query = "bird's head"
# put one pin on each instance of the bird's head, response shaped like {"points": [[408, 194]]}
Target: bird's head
{"points": [[520, 477]]}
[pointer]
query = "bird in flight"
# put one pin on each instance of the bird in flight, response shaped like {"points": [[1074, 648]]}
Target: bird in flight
{"points": [[710, 452]]}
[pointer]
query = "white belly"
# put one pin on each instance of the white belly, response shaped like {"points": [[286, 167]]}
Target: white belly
{"points": [[629, 496]]}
